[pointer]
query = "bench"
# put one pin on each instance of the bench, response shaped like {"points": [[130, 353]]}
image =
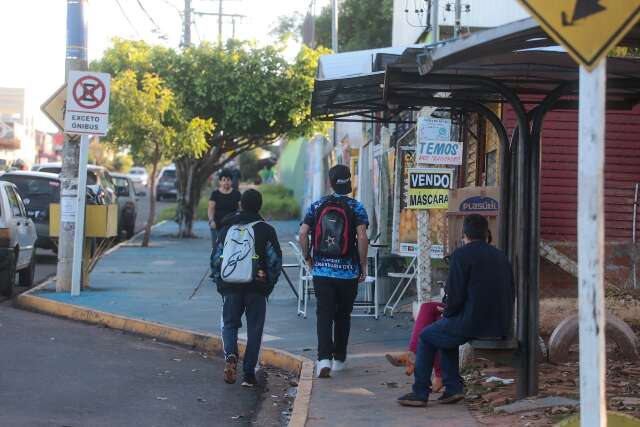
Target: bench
{"points": [[499, 350]]}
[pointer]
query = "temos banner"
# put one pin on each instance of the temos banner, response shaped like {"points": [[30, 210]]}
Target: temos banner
{"points": [[429, 188], [439, 152]]}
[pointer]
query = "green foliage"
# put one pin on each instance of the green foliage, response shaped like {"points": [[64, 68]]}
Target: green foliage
{"points": [[363, 24], [122, 163], [249, 166], [278, 202]]}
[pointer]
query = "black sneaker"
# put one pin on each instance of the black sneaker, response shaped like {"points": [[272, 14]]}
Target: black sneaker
{"points": [[249, 380], [230, 366], [412, 399], [450, 398]]}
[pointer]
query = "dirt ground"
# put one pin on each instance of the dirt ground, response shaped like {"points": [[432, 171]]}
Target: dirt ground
{"points": [[622, 377]]}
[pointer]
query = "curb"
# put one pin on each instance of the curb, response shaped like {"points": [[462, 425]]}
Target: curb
{"points": [[298, 365]]}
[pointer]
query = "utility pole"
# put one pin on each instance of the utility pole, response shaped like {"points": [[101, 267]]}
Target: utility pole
{"points": [[458, 11], [220, 21], [334, 25], [75, 59], [186, 41], [435, 29]]}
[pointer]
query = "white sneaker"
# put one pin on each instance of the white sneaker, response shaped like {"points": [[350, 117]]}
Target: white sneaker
{"points": [[338, 365], [323, 368]]}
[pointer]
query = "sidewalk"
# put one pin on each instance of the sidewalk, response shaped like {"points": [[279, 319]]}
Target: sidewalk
{"points": [[155, 284]]}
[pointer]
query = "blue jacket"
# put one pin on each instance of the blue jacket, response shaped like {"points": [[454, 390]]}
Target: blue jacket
{"points": [[267, 249], [480, 292]]}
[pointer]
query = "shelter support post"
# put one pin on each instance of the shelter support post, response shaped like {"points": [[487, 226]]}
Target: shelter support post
{"points": [[591, 155]]}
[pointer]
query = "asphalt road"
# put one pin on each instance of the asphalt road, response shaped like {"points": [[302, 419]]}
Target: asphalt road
{"points": [[61, 373]]}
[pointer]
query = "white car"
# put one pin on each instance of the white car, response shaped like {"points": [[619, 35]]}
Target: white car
{"points": [[139, 176], [17, 241]]}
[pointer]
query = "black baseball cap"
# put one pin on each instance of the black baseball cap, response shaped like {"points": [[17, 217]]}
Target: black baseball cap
{"points": [[340, 178]]}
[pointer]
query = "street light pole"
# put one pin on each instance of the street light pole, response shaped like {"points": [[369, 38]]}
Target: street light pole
{"points": [[434, 21], [75, 59], [334, 25]]}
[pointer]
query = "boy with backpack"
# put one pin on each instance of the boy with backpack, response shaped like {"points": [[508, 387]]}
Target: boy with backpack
{"points": [[338, 228], [245, 265]]}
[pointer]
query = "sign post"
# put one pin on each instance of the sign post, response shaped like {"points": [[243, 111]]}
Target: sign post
{"points": [[588, 30], [87, 113]]}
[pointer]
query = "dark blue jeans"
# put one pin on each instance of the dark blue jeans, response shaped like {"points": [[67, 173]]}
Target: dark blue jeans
{"points": [[438, 337], [254, 307]]}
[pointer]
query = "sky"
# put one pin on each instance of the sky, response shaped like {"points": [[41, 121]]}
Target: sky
{"points": [[33, 33]]}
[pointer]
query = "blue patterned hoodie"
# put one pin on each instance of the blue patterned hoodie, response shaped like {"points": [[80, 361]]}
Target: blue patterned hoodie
{"points": [[267, 249]]}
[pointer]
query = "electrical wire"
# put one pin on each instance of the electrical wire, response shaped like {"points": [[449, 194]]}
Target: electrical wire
{"points": [[157, 28], [128, 20], [168, 3]]}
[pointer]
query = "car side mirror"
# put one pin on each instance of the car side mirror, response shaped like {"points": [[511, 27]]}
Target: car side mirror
{"points": [[141, 193]]}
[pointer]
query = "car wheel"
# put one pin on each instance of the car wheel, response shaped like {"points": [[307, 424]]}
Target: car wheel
{"points": [[8, 277], [27, 275]]}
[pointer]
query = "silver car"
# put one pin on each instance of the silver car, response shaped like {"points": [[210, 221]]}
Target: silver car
{"points": [[17, 241]]}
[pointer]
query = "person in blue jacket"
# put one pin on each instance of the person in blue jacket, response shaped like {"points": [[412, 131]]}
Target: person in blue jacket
{"points": [[479, 304]]}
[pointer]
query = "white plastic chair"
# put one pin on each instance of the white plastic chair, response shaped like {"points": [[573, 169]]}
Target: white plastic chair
{"points": [[370, 303], [406, 278], [305, 281]]}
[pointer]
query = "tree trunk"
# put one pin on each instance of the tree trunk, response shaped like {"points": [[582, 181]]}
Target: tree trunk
{"points": [[152, 203]]}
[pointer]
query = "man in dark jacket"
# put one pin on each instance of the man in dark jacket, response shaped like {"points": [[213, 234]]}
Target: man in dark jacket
{"points": [[248, 298], [479, 304]]}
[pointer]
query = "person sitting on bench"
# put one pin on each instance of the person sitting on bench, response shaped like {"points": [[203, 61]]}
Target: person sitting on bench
{"points": [[480, 295], [429, 313]]}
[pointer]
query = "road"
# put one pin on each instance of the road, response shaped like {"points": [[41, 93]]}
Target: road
{"points": [[61, 373]]}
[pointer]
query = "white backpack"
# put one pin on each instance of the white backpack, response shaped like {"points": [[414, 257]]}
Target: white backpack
{"points": [[239, 260]]}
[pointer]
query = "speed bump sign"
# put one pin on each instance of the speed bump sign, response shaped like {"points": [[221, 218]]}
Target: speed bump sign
{"points": [[587, 29]]}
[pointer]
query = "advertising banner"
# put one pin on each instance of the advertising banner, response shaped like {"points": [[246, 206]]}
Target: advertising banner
{"points": [[428, 188]]}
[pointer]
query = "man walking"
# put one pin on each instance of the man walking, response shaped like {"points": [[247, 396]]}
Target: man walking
{"points": [[338, 228], [245, 265], [223, 201], [479, 304]]}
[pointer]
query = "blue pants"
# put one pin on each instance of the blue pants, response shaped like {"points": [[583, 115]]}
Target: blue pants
{"points": [[214, 238], [254, 307], [438, 337]]}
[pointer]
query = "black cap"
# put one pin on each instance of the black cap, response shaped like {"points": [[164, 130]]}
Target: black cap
{"points": [[340, 178]]}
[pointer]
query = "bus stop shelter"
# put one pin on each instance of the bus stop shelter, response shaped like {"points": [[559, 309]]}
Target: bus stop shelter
{"points": [[517, 65]]}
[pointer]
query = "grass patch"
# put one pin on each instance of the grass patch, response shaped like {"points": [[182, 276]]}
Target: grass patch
{"points": [[278, 202]]}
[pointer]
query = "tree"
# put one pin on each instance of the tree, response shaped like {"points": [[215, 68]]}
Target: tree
{"points": [[363, 24], [252, 94], [145, 118]]}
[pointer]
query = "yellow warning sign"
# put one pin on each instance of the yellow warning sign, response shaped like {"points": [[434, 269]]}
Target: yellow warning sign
{"points": [[588, 29]]}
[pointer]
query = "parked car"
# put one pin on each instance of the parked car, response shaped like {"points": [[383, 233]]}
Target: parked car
{"points": [[17, 241], [167, 185], [127, 203], [139, 176], [38, 190], [98, 179]]}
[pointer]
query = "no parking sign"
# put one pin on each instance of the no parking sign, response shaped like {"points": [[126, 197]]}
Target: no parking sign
{"points": [[87, 103]]}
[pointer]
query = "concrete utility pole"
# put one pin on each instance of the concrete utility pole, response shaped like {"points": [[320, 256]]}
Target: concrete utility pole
{"points": [[334, 25], [435, 30], [76, 59], [186, 40], [457, 26], [220, 21]]}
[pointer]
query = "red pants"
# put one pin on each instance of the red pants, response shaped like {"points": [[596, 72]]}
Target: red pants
{"points": [[428, 314]]}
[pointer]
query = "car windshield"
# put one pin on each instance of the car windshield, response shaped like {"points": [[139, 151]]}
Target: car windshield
{"points": [[137, 171], [30, 187], [91, 177], [169, 173]]}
